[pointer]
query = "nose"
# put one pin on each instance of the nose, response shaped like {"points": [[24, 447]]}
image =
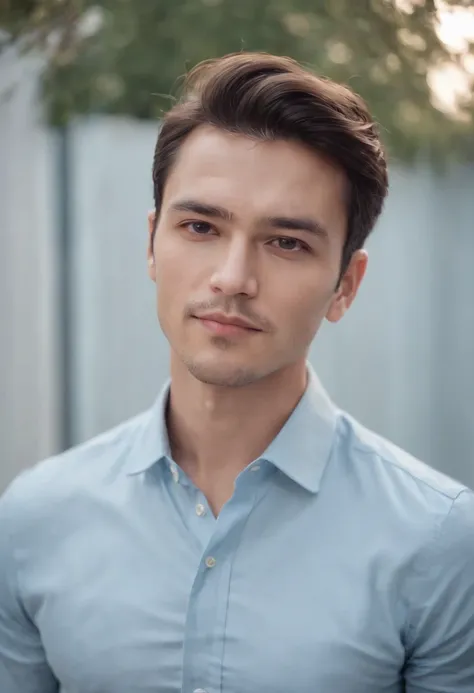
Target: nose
{"points": [[235, 273]]}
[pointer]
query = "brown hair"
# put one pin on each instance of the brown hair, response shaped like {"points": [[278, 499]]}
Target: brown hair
{"points": [[270, 97]]}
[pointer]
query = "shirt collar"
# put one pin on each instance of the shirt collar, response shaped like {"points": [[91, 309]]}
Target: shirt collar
{"points": [[300, 450], [152, 443]]}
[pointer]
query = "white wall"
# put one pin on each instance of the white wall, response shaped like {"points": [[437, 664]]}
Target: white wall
{"points": [[120, 357], [29, 388]]}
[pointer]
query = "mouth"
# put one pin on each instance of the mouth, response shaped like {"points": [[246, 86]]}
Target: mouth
{"points": [[227, 327]]}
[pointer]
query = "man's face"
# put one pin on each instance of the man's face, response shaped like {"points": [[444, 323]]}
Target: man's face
{"points": [[251, 231]]}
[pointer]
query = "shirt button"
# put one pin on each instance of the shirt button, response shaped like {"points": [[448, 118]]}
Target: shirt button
{"points": [[174, 473], [255, 468], [200, 690], [210, 562], [200, 510]]}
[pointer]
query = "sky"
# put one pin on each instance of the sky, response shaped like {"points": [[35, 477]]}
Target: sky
{"points": [[455, 29]]}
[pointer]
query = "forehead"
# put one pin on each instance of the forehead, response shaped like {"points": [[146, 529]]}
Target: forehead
{"points": [[258, 177]]}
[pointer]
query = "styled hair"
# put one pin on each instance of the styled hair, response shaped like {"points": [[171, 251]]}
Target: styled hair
{"points": [[267, 97]]}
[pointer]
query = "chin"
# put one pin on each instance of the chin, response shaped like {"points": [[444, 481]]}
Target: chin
{"points": [[223, 374]]}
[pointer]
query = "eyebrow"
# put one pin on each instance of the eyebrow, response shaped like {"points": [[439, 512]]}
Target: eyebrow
{"points": [[305, 224], [202, 208], [299, 224]]}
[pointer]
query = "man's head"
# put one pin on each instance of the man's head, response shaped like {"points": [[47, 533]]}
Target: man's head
{"points": [[267, 183]]}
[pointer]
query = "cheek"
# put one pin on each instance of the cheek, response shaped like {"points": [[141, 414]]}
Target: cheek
{"points": [[169, 284], [179, 278], [302, 307], [169, 262], [180, 263]]}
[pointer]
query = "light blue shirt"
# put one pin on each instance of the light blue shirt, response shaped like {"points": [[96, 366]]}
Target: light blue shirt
{"points": [[340, 565]]}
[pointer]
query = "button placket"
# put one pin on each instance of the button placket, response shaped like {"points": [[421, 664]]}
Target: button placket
{"points": [[207, 606]]}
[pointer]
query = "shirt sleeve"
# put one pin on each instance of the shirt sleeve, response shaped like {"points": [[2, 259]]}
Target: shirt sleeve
{"points": [[23, 665], [441, 635]]}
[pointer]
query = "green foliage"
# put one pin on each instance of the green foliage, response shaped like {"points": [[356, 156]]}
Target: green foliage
{"points": [[34, 21], [122, 56]]}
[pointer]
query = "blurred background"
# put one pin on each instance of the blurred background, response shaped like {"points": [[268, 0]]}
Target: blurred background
{"points": [[83, 85]]}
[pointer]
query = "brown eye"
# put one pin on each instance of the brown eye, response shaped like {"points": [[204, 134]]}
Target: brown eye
{"points": [[200, 228], [288, 244]]}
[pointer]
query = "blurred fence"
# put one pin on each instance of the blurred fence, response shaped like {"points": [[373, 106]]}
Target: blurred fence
{"points": [[29, 329], [80, 346]]}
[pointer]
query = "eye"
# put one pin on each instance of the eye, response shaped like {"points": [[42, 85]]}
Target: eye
{"points": [[199, 228], [289, 244]]}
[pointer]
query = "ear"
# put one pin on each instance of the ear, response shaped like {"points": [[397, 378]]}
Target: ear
{"points": [[150, 248], [348, 286]]}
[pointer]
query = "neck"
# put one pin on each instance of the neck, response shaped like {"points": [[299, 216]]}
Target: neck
{"points": [[206, 423]]}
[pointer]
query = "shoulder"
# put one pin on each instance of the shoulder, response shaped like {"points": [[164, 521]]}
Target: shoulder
{"points": [[428, 516], [396, 470], [52, 484], [399, 495]]}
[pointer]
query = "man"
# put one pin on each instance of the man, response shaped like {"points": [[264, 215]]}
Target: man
{"points": [[244, 534]]}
